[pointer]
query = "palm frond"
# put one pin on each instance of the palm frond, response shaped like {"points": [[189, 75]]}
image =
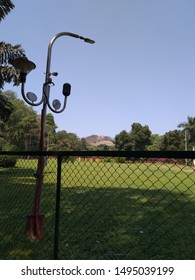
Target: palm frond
{"points": [[7, 72], [190, 127], [5, 8], [9, 52]]}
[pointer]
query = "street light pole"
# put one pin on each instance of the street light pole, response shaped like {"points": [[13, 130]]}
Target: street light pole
{"points": [[186, 145], [36, 220], [46, 92]]}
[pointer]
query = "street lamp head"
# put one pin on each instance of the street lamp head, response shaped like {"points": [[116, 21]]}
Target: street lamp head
{"points": [[90, 41], [86, 40], [24, 65]]}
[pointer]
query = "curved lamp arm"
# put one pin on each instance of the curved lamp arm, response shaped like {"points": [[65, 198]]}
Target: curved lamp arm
{"points": [[46, 99], [58, 111], [49, 52], [27, 100], [87, 40]]}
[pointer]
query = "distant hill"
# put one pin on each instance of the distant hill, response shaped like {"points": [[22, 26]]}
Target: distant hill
{"points": [[95, 140]]}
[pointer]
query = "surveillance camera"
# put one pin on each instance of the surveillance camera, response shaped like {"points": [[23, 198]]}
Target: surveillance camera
{"points": [[53, 74]]}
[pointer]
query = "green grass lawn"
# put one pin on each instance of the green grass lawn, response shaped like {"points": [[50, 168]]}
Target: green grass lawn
{"points": [[107, 211]]}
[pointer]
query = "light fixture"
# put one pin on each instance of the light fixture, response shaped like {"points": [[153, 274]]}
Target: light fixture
{"points": [[56, 104], [31, 96], [24, 65]]}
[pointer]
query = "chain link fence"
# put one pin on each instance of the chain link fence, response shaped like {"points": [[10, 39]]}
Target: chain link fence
{"points": [[100, 205]]}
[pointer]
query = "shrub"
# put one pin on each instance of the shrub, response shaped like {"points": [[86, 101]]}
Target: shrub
{"points": [[108, 159], [8, 161], [121, 160], [68, 159]]}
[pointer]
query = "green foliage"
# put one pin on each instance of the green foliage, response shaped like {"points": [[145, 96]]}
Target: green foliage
{"points": [[139, 137], [83, 144], [155, 143], [91, 148], [50, 130], [189, 126], [7, 161], [68, 159], [136, 140], [7, 72], [121, 160], [122, 141], [172, 141], [5, 108], [65, 141], [108, 159], [22, 129]]}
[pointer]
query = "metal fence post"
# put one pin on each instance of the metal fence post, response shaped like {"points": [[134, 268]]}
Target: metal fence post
{"points": [[57, 214]]}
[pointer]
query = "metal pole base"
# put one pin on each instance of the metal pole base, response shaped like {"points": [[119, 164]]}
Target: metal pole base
{"points": [[31, 225]]}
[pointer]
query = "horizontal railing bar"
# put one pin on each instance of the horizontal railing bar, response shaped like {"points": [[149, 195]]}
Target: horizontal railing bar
{"points": [[127, 154]]}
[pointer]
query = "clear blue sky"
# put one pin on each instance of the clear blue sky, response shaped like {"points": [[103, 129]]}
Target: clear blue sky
{"points": [[141, 69]]}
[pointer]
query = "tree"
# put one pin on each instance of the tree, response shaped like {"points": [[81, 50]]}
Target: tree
{"points": [[67, 141], [122, 141], [136, 140], [50, 130], [189, 127], [172, 141], [7, 52], [155, 142], [30, 129], [22, 129], [83, 144], [8, 73], [5, 108], [139, 137]]}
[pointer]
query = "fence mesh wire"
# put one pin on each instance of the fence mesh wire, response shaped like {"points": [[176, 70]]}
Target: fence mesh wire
{"points": [[17, 198], [110, 208]]}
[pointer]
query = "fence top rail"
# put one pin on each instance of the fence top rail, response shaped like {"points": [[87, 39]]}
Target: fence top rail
{"points": [[127, 154]]}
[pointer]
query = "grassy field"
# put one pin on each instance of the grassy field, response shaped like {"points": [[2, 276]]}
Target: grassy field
{"points": [[107, 211]]}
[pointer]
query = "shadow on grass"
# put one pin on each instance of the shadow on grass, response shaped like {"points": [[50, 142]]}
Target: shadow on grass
{"points": [[125, 223], [96, 223]]}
